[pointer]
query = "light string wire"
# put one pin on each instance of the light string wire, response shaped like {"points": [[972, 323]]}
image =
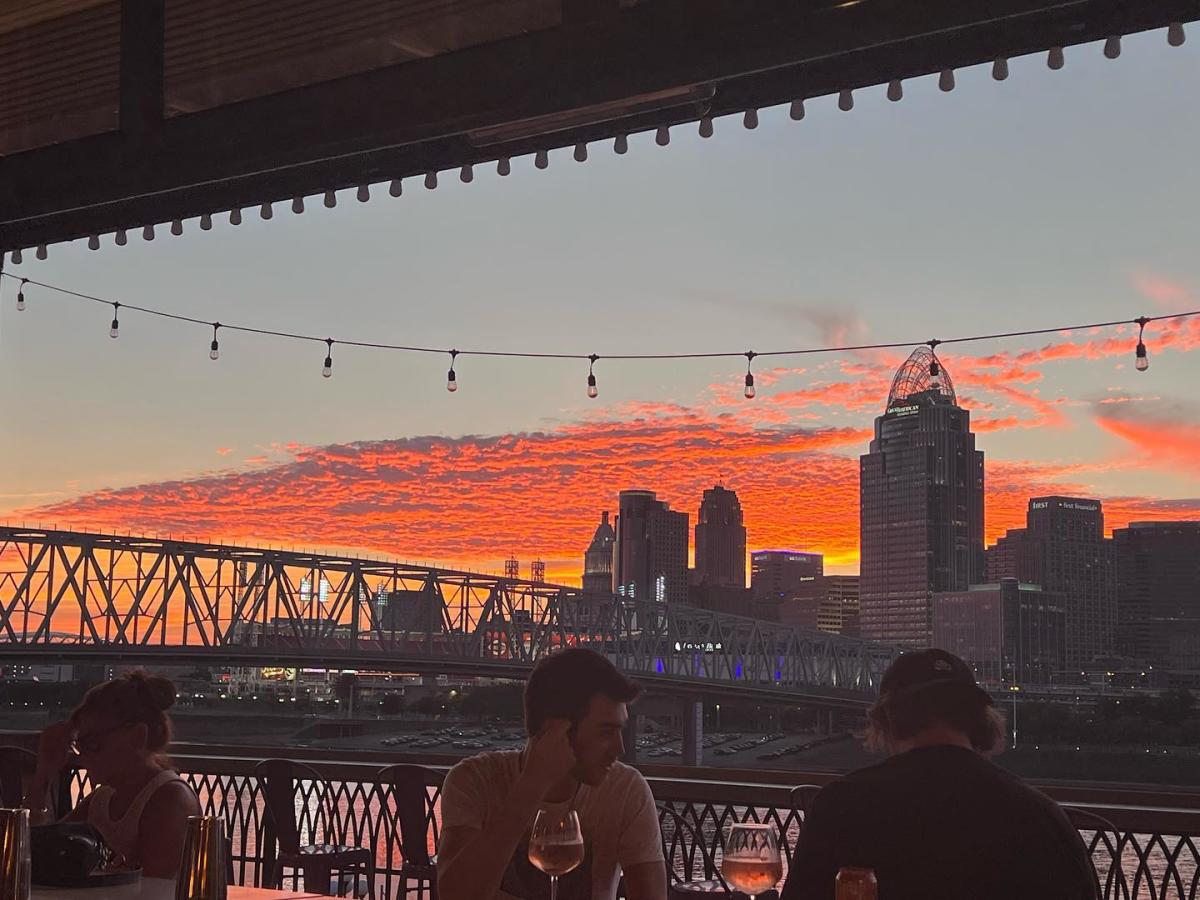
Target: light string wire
{"points": [[591, 358]]}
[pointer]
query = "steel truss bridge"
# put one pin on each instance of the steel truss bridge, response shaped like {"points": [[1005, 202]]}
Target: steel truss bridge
{"points": [[78, 596]]}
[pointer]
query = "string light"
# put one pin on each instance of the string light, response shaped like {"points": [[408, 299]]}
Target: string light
{"points": [[42, 253], [266, 210], [148, 233], [503, 165], [330, 200], [430, 180], [1175, 34], [706, 127], [122, 238], [21, 294], [748, 393], [1141, 360], [297, 205], [895, 90], [466, 174], [94, 242], [177, 227], [591, 382], [364, 193], [327, 371], [115, 328], [946, 80], [796, 110], [235, 216], [1000, 69], [846, 100], [214, 349], [1056, 59], [451, 378], [935, 368], [662, 137], [580, 153], [541, 159], [1112, 47], [396, 188], [750, 119], [621, 144], [206, 222], [16, 256]]}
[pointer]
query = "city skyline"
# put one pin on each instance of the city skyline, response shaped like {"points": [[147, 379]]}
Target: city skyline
{"points": [[764, 238]]}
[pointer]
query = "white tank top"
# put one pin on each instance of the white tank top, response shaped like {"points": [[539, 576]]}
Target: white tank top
{"points": [[122, 834]]}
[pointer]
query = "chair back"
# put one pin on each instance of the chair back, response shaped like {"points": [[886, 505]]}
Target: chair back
{"points": [[687, 856], [409, 788], [16, 764], [801, 798], [278, 780], [1104, 850]]}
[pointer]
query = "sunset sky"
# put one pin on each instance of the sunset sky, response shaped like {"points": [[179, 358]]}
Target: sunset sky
{"points": [[1050, 199]]}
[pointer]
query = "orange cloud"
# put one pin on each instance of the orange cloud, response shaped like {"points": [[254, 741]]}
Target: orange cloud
{"points": [[1163, 435]]}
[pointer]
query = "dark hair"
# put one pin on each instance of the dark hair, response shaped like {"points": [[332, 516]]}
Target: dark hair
{"points": [[898, 717], [135, 697], [563, 684]]}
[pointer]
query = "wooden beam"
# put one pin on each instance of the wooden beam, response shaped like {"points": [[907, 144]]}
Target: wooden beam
{"points": [[142, 27]]}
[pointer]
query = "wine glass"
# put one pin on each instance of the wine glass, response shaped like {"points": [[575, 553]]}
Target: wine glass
{"points": [[751, 862], [556, 845]]}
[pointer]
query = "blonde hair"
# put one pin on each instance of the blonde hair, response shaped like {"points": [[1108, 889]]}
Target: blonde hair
{"points": [[137, 698], [894, 719]]}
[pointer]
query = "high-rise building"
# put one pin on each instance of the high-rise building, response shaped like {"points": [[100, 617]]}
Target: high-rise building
{"points": [[1011, 633], [1062, 548], [598, 559], [650, 561], [829, 603], [921, 505], [776, 574], [1158, 592], [721, 540]]}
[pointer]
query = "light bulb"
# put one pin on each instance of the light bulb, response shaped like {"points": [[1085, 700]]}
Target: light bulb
{"points": [[1143, 361], [430, 180], [935, 370], [93, 242], [581, 152], [206, 222], [946, 80], [177, 227], [796, 110], [662, 136], [749, 391], [214, 351], [466, 174], [235, 216], [330, 199], [16, 257], [364, 193], [297, 205], [396, 188], [541, 159], [706, 127], [266, 210], [846, 100], [1175, 34], [1112, 47], [451, 382], [621, 144], [591, 390], [21, 297], [503, 166], [148, 233], [1056, 59], [115, 328], [1000, 69], [122, 238], [328, 370], [41, 252], [895, 90], [750, 119]]}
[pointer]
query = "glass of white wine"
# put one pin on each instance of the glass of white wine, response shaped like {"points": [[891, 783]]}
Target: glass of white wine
{"points": [[556, 845], [751, 862]]}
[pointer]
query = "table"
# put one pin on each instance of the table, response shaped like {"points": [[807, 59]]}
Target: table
{"points": [[158, 889]]}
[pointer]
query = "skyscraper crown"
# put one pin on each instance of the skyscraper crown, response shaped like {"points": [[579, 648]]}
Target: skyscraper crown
{"points": [[922, 377]]}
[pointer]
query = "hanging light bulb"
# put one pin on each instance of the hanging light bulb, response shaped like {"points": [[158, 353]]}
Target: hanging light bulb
{"points": [[235, 216], [148, 233], [541, 159], [94, 242], [396, 188], [430, 180], [895, 90], [796, 110], [1056, 59], [662, 136], [114, 329], [466, 174], [177, 227], [327, 371], [1000, 69], [122, 238], [580, 152], [21, 294], [946, 80], [42, 253], [330, 199], [706, 127], [591, 382], [206, 222], [1112, 47], [1142, 360], [451, 379], [266, 210], [16, 257], [1175, 34], [846, 100], [503, 166], [364, 193], [750, 119], [748, 393], [935, 368], [214, 349], [621, 143], [297, 205]]}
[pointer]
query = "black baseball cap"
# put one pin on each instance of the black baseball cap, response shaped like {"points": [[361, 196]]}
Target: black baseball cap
{"points": [[921, 670]]}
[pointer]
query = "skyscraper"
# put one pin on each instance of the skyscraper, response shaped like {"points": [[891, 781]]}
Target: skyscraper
{"points": [[921, 504], [1158, 591], [721, 540], [777, 574], [598, 559], [1062, 548], [650, 561]]}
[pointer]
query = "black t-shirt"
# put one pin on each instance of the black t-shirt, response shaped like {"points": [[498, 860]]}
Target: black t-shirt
{"points": [[941, 823]]}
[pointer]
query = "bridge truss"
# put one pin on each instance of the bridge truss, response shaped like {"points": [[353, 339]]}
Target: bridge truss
{"points": [[79, 595]]}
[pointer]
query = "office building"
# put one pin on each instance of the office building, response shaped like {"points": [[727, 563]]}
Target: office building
{"points": [[598, 559], [650, 560], [776, 574], [1158, 593], [829, 603], [921, 505], [721, 540]]}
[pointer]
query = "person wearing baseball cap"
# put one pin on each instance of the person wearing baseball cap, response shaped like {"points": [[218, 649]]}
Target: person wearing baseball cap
{"points": [[937, 820]]}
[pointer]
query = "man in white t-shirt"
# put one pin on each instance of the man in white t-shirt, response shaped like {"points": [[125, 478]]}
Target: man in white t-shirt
{"points": [[575, 710]]}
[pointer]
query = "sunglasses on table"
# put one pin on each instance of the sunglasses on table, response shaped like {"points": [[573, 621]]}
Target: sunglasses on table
{"points": [[92, 741]]}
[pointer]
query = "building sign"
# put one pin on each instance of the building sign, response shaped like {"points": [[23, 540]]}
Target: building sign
{"points": [[903, 410], [1065, 504], [701, 648]]}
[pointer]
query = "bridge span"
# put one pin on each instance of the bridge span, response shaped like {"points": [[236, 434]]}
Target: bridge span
{"points": [[74, 596]]}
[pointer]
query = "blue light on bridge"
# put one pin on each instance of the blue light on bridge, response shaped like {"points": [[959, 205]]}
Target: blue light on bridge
{"points": [[737, 669], [658, 665]]}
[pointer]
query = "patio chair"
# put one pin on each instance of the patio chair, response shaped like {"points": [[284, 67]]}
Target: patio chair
{"points": [[17, 767], [408, 786], [681, 843], [1106, 841], [801, 798], [280, 779]]}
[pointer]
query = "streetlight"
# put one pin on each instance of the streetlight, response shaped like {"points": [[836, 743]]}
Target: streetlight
{"points": [[718, 717], [1014, 689]]}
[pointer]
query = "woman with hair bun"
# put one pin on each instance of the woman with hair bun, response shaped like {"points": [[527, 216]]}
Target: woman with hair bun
{"points": [[120, 733]]}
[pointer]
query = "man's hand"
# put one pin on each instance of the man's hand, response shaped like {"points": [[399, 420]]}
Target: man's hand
{"points": [[54, 748], [550, 757]]}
